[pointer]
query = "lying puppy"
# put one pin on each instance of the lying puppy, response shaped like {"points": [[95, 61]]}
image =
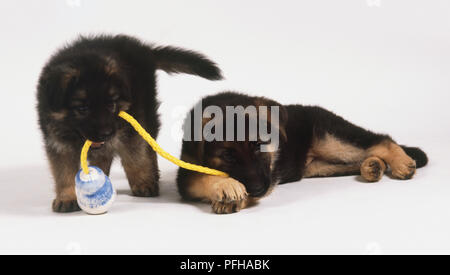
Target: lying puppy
{"points": [[313, 142], [81, 91]]}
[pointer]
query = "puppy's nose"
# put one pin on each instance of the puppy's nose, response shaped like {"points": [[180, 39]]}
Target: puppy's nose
{"points": [[259, 192], [105, 134]]}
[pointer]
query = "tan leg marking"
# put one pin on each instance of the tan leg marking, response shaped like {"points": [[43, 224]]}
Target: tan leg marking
{"points": [[326, 151], [332, 149], [319, 168], [372, 169], [402, 166], [64, 167]]}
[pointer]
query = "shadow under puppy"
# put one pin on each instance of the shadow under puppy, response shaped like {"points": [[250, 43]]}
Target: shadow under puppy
{"points": [[312, 142], [82, 89]]}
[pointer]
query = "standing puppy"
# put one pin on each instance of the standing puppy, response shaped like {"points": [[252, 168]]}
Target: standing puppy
{"points": [[82, 89], [312, 142]]}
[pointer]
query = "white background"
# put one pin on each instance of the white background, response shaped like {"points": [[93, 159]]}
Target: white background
{"points": [[384, 65]]}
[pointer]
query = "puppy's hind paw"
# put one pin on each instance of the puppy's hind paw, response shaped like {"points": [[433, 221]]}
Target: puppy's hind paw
{"points": [[405, 171], [372, 169], [403, 167]]}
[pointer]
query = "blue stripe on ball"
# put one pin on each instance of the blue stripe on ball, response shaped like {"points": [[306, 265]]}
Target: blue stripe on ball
{"points": [[95, 192], [102, 196]]}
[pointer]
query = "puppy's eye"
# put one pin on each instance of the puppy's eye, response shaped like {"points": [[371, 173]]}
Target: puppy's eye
{"points": [[112, 105], [227, 155], [257, 146], [82, 109]]}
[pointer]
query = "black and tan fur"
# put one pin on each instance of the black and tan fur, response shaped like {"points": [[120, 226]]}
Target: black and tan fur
{"points": [[82, 89], [313, 143]]}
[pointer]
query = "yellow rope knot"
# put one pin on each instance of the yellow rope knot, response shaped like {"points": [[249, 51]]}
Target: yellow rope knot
{"points": [[152, 142]]}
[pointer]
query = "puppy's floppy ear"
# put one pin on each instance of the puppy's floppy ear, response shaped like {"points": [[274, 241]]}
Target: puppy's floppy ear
{"points": [[283, 122], [55, 81], [111, 65], [282, 116], [192, 147], [200, 145], [119, 79]]}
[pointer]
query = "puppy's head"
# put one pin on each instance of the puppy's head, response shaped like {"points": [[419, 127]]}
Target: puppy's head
{"points": [[245, 162], [88, 93], [250, 159]]}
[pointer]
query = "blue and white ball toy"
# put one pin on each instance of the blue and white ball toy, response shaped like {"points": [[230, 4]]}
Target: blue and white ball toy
{"points": [[95, 193]]}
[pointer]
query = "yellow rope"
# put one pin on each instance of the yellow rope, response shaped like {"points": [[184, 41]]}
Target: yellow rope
{"points": [[147, 137], [84, 152]]}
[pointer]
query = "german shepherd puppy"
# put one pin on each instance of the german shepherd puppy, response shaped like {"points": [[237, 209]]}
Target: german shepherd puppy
{"points": [[82, 89], [313, 142]]}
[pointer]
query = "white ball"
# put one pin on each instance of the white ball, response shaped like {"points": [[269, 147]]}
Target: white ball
{"points": [[95, 193]]}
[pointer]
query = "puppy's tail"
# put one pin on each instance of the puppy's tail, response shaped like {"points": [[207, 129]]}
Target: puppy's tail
{"points": [[176, 60], [416, 154]]}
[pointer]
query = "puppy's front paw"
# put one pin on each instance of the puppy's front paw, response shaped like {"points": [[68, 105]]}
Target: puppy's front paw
{"points": [[144, 190], [372, 169], [229, 196], [61, 206]]}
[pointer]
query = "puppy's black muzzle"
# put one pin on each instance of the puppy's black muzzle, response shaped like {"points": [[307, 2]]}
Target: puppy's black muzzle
{"points": [[258, 189]]}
